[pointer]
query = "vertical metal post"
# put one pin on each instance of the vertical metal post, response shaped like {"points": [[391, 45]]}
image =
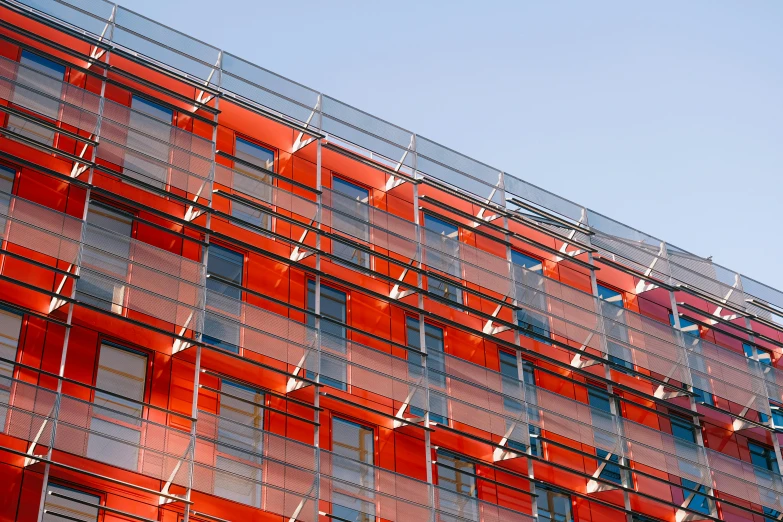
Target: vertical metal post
{"points": [[77, 271], [422, 335], [316, 396], [691, 400], [203, 305], [520, 362]]}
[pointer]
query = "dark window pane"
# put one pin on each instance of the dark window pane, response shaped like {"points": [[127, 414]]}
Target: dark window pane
{"points": [[610, 296], [252, 215], [530, 263], [153, 109], [436, 364], [687, 327], [699, 503], [553, 506], [763, 457], [254, 154], [76, 504], [333, 316], [225, 264], [599, 400], [456, 473], [611, 471], [41, 64], [683, 430]]}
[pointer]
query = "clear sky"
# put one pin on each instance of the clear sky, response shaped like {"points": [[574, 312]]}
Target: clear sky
{"points": [[665, 115]]}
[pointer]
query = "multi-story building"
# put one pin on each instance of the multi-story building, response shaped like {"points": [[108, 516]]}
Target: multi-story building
{"points": [[227, 296]]}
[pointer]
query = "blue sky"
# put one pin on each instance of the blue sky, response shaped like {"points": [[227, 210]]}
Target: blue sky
{"points": [[665, 115]]}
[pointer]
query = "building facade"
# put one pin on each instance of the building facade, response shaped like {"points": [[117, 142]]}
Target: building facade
{"points": [[227, 296]]}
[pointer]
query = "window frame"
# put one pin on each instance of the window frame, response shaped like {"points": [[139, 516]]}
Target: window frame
{"points": [[223, 381], [456, 456], [369, 265], [555, 491], [238, 136], [767, 453], [214, 341], [443, 277], [128, 347], [346, 326], [6, 117], [144, 409], [612, 300], [425, 361], [521, 253], [79, 488], [374, 429]]}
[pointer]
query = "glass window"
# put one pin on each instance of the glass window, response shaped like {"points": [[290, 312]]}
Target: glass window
{"points": [[64, 503], [457, 475], [513, 393], [602, 417], [240, 443], [771, 515], [599, 400], [525, 261], [531, 397], [530, 293], [683, 429], [703, 397], [350, 253], [699, 502], [148, 152], [253, 215], [43, 75], [256, 155], [7, 176], [553, 506], [334, 371], [443, 254], [511, 386], [121, 372], [620, 355], [691, 331], [686, 326], [106, 257], [355, 443], [116, 421], [350, 215], [610, 296], [241, 420], [152, 109], [757, 354], [42, 65], [354, 455], [611, 471], [10, 328], [777, 416], [763, 457], [225, 266], [224, 277], [436, 367]]}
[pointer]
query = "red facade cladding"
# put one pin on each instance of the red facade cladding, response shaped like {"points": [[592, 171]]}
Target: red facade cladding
{"points": [[225, 296]]}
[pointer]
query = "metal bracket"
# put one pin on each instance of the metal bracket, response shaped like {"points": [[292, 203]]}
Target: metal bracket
{"points": [[298, 142], [395, 181]]}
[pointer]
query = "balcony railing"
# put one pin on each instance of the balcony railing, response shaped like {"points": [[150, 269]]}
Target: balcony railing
{"points": [[120, 273], [49, 97], [154, 151]]}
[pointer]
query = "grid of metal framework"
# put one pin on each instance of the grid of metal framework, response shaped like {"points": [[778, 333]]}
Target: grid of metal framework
{"points": [[227, 295]]}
